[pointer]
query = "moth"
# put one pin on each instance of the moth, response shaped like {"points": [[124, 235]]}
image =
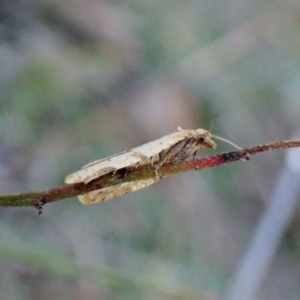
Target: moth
{"points": [[173, 148]]}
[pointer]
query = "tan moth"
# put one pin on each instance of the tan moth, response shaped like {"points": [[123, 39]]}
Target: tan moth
{"points": [[175, 147]]}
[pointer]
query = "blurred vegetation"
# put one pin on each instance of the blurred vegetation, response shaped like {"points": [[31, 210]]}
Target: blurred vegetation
{"points": [[81, 80]]}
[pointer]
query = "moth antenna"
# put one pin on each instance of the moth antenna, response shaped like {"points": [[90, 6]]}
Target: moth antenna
{"points": [[212, 123], [226, 141]]}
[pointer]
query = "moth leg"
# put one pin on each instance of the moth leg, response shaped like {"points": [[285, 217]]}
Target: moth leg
{"points": [[194, 155], [156, 167], [120, 173], [114, 172], [156, 164]]}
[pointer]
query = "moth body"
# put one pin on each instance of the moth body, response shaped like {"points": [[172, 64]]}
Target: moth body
{"points": [[175, 147]]}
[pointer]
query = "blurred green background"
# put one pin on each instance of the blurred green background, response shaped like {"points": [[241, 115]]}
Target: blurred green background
{"points": [[82, 80]]}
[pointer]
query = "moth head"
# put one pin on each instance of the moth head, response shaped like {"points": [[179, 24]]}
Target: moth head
{"points": [[204, 139]]}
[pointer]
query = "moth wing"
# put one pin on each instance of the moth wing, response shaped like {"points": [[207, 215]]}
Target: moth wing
{"points": [[155, 147], [115, 191], [102, 167], [140, 155], [102, 159], [145, 149]]}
